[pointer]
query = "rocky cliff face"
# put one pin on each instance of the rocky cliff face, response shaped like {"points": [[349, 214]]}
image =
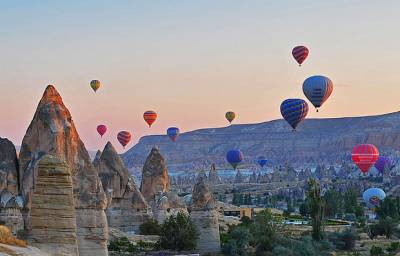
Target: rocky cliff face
{"points": [[8, 166], [127, 208], [213, 177], [52, 131], [205, 216], [53, 220], [155, 175], [317, 140]]}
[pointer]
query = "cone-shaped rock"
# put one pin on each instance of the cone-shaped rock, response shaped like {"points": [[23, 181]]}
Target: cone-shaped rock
{"points": [[127, 208], [52, 131], [155, 175], [213, 177], [205, 216], [97, 157], [8, 166]]}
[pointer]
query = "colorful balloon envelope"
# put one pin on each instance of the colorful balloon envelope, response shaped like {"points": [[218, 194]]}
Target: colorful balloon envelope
{"points": [[300, 54], [317, 89], [294, 111], [150, 117], [373, 197], [173, 133], [101, 129], [234, 157], [124, 138], [262, 161], [230, 116], [364, 156], [383, 163], [95, 84]]}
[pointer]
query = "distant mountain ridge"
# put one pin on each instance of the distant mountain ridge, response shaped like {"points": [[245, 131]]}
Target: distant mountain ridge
{"points": [[317, 140]]}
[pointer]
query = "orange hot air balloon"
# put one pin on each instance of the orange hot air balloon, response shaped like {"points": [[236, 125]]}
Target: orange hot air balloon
{"points": [[230, 116], [150, 117]]}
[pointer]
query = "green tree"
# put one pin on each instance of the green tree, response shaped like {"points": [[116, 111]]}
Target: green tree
{"points": [[304, 208], [238, 243], [151, 227], [316, 208], [263, 231], [179, 233], [350, 200], [390, 207], [333, 203]]}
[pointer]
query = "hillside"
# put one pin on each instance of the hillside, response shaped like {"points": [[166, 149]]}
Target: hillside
{"points": [[316, 140]]}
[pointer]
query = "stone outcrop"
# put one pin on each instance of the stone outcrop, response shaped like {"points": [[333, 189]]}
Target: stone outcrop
{"points": [[52, 131], [239, 178], [53, 220], [10, 211], [205, 215], [213, 177], [253, 177], [126, 208], [167, 204], [155, 175], [8, 166]]}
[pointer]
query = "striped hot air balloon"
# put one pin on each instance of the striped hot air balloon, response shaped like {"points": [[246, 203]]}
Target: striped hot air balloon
{"points": [[230, 116], [124, 138], [300, 54], [294, 111], [173, 133], [234, 157], [101, 129], [364, 156], [150, 117], [373, 197], [95, 84], [317, 89]]}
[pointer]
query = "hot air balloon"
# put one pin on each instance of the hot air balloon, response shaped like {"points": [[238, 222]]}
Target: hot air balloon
{"points": [[294, 111], [373, 197], [150, 117], [124, 137], [173, 133], [300, 54], [364, 156], [234, 157], [230, 116], [262, 161], [383, 163], [317, 90], [95, 84], [101, 129]]}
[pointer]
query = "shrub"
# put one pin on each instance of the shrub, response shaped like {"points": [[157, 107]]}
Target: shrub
{"points": [[239, 242], [151, 227], [122, 245], [179, 233], [376, 251], [7, 238], [345, 240]]}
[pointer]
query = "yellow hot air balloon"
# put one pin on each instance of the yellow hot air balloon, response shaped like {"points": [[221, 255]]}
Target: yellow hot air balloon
{"points": [[95, 84], [230, 116]]}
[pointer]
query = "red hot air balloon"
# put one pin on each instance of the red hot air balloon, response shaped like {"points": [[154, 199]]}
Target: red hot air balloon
{"points": [[364, 156], [101, 129], [300, 54], [150, 117], [124, 137]]}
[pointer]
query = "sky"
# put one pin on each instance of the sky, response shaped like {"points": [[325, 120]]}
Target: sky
{"points": [[191, 61]]}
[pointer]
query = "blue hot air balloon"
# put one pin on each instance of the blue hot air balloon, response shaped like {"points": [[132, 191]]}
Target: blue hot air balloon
{"points": [[262, 161], [373, 196], [173, 133], [294, 111], [234, 157], [317, 89], [383, 163]]}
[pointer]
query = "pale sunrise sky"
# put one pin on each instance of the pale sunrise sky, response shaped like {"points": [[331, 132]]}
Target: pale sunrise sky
{"points": [[191, 61]]}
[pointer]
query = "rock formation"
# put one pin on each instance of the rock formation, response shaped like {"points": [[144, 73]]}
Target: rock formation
{"points": [[253, 177], [53, 220], [127, 208], [97, 157], [10, 211], [167, 204], [205, 215], [213, 177], [52, 131], [239, 177], [8, 166], [154, 176]]}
